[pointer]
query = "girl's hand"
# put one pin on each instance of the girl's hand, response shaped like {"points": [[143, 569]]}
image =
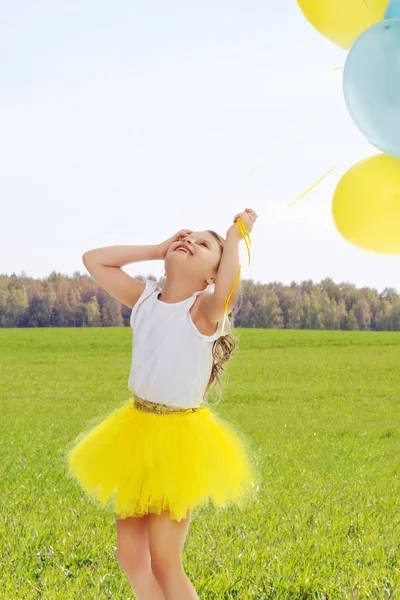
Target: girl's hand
{"points": [[248, 217], [163, 247]]}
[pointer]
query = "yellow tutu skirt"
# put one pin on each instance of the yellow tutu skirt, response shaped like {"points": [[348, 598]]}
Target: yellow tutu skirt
{"points": [[141, 462]]}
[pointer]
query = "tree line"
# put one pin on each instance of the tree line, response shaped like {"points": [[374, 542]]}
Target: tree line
{"points": [[78, 301]]}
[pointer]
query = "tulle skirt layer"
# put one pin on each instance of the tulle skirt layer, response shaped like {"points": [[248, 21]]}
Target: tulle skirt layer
{"points": [[140, 462]]}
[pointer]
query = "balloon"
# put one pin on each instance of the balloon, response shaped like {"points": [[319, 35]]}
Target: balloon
{"points": [[342, 21], [393, 10], [366, 204], [371, 83]]}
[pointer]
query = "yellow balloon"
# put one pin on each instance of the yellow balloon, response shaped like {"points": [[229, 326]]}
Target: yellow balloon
{"points": [[342, 21], [366, 204]]}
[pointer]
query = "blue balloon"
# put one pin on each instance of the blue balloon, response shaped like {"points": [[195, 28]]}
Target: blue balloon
{"points": [[371, 84], [393, 10]]}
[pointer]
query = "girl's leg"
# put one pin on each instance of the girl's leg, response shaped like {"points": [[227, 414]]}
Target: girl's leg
{"points": [[133, 555], [166, 540]]}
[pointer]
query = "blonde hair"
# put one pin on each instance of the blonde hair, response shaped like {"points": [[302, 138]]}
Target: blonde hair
{"points": [[223, 347]]}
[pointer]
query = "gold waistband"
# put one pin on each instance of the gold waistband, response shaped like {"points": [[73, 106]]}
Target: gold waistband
{"points": [[159, 408]]}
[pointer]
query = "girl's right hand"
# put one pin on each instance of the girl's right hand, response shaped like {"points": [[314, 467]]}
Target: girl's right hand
{"points": [[163, 247]]}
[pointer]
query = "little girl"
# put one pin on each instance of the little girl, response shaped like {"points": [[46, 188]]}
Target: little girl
{"points": [[164, 451]]}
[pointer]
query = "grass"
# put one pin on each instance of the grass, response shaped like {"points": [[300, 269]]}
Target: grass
{"points": [[322, 410]]}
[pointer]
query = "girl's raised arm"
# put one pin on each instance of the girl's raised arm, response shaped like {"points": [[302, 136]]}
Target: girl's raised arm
{"points": [[212, 306], [104, 265]]}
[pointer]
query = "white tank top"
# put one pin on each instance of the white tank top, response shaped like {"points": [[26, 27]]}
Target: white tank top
{"points": [[171, 359]]}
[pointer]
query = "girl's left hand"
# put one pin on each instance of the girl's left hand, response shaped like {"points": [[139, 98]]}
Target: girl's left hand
{"points": [[249, 217]]}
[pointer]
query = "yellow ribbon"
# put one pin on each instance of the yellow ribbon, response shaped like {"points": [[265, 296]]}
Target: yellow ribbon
{"points": [[246, 237], [245, 234]]}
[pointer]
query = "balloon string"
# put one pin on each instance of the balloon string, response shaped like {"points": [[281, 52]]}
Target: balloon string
{"points": [[313, 185], [283, 143], [246, 237], [239, 221]]}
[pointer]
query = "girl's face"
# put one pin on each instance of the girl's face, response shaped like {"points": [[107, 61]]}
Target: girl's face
{"points": [[199, 261]]}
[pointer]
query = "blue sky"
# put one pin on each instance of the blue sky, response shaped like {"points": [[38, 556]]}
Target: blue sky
{"points": [[123, 122]]}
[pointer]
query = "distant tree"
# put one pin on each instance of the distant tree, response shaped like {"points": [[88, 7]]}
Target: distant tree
{"points": [[16, 304], [111, 313], [93, 313], [350, 321], [395, 316], [329, 312], [389, 293], [244, 318], [383, 320], [290, 303], [268, 312], [333, 290], [362, 312], [38, 313], [305, 316]]}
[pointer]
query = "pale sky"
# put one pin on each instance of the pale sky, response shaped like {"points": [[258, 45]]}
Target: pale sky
{"points": [[123, 122]]}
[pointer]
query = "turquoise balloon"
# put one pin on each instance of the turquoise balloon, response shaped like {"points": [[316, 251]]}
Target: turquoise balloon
{"points": [[371, 85], [393, 10]]}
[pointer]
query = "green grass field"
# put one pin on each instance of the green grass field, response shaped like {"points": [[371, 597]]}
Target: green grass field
{"points": [[323, 412]]}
